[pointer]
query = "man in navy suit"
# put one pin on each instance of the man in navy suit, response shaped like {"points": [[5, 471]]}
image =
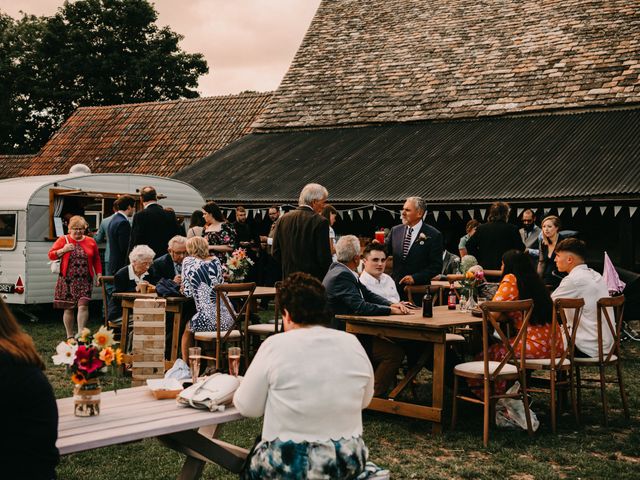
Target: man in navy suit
{"points": [[153, 226], [119, 232], [416, 247], [346, 295], [169, 265]]}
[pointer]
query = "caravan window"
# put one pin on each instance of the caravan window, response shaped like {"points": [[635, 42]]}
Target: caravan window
{"points": [[8, 223]]}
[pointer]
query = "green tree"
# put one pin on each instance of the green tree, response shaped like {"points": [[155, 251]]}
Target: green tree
{"points": [[92, 52]]}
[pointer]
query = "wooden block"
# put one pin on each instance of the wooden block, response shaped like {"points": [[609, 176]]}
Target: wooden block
{"points": [[148, 339]]}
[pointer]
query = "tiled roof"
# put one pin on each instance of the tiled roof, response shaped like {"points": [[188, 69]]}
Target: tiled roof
{"points": [[12, 165], [374, 61], [157, 138], [537, 157]]}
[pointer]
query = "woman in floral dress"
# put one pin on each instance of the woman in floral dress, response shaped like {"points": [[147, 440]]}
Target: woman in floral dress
{"points": [[219, 233], [201, 272], [79, 266]]}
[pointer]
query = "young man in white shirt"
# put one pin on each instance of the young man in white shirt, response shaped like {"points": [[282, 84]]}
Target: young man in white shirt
{"points": [[373, 276], [582, 282]]}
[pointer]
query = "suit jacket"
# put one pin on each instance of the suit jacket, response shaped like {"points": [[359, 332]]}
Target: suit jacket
{"points": [[491, 241], [347, 295], [301, 243], [163, 267], [154, 227], [424, 260], [122, 283], [118, 235]]}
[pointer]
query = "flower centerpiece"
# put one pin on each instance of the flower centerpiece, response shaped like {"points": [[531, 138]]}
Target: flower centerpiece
{"points": [[88, 357], [238, 264], [473, 276]]}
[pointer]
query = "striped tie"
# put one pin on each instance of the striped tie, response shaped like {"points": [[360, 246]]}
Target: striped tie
{"points": [[407, 242]]}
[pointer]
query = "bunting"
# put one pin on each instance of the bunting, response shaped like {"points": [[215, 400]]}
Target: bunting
{"points": [[632, 211], [574, 210], [616, 210]]}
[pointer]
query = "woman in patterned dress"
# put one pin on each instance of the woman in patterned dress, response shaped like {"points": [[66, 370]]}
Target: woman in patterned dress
{"points": [[219, 233], [201, 272], [79, 267]]}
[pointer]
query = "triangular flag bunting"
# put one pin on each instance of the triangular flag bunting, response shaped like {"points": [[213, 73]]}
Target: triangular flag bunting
{"points": [[359, 212], [460, 213], [519, 211], [632, 210], [448, 214], [616, 210], [482, 213], [435, 215], [587, 210], [470, 212], [560, 210], [573, 211], [350, 213], [370, 213], [602, 209]]}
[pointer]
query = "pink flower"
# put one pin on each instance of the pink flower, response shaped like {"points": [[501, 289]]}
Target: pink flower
{"points": [[87, 359]]}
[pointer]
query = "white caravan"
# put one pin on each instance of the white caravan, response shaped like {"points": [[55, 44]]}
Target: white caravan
{"points": [[31, 211]]}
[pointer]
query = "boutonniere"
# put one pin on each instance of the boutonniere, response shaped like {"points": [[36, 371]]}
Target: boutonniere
{"points": [[422, 237]]}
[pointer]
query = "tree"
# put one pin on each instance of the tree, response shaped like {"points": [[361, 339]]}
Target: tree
{"points": [[92, 52]]}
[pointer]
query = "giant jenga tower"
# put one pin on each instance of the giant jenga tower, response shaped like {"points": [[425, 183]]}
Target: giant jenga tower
{"points": [[148, 339]]}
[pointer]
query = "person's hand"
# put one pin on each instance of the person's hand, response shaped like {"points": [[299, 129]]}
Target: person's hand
{"points": [[67, 248], [97, 279], [407, 280], [178, 279], [410, 305], [399, 309]]}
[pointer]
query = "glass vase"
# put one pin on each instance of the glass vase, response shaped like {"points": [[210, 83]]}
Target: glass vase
{"points": [[86, 399]]}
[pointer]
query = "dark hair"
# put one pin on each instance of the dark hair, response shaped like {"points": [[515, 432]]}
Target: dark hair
{"points": [[471, 224], [377, 246], [213, 209], [197, 219], [499, 212], [148, 194], [530, 285], [14, 342], [124, 202], [328, 210], [572, 245], [305, 299]]}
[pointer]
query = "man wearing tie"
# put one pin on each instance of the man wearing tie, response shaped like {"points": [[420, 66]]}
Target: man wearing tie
{"points": [[169, 265], [416, 247]]}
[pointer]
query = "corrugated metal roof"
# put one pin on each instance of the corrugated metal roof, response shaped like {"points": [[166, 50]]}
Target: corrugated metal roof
{"points": [[535, 157]]}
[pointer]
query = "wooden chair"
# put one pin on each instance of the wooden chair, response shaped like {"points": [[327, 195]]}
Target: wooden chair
{"points": [[260, 331], [236, 333], [605, 359], [510, 368], [559, 366], [104, 281], [419, 290]]}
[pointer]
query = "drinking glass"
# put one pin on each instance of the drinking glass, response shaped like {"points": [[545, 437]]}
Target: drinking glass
{"points": [[194, 362], [233, 355]]}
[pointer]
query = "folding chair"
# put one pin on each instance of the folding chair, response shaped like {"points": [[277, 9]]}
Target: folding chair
{"points": [[489, 372], [236, 333], [262, 330], [605, 359], [559, 366]]}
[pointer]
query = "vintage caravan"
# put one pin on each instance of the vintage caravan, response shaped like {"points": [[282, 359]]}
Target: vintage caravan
{"points": [[31, 211]]}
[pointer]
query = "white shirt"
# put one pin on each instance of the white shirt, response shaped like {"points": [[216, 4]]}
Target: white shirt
{"points": [[582, 282], [332, 239], [385, 286], [310, 384], [134, 277]]}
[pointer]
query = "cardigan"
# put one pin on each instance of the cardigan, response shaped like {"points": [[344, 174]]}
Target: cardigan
{"points": [[311, 384], [90, 247]]}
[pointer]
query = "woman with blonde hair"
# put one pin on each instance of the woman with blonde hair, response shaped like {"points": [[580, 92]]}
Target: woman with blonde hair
{"points": [[30, 420], [546, 261], [79, 267], [201, 272]]}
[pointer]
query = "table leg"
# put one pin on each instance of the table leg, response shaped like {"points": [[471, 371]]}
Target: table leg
{"points": [[411, 374], [439, 352], [124, 333], [177, 317]]}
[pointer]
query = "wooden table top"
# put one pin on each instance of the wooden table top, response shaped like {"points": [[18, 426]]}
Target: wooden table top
{"points": [[259, 292], [128, 415], [136, 295], [443, 318]]}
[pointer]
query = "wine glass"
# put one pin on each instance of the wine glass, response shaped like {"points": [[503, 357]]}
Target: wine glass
{"points": [[233, 355], [194, 362]]}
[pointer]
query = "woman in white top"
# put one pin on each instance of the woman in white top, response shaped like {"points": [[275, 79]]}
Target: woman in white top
{"points": [[311, 384]]}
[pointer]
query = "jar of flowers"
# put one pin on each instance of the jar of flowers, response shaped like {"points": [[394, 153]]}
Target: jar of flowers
{"points": [[238, 264]]}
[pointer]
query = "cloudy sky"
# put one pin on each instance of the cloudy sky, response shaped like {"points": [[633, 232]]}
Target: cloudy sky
{"points": [[248, 44]]}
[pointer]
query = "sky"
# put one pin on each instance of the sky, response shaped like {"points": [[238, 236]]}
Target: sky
{"points": [[248, 44]]}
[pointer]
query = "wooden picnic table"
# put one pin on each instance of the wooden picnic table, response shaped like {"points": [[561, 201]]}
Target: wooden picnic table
{"points": [[134, 414], [414, 327]]}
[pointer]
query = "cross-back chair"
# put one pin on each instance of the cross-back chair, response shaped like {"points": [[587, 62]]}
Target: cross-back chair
{"points": [[490, 372], [235, 335], [560, 364], [605, 359]]}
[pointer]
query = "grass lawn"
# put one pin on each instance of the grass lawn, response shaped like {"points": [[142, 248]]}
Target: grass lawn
{"points": [[405, 446]]}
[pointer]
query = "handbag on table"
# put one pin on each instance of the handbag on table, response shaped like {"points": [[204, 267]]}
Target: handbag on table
{"points": [[211, 393]]}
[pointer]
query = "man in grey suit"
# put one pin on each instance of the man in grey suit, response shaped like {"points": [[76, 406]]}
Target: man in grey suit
{"points": [[301, 237], [416, 247]]}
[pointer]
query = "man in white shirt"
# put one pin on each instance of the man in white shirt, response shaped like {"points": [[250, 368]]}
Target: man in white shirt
{"points": [[373, 276], [582, 282]]}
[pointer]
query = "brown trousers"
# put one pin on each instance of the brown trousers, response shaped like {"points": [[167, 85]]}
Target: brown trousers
{"points": [[386, 358]]}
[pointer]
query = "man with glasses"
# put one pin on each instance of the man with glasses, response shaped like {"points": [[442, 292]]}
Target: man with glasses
{"points": [[169, 265], [530, 233]]}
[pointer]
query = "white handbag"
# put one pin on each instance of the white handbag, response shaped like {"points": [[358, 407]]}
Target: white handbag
{"points": [[211, 393], [55, 264]]}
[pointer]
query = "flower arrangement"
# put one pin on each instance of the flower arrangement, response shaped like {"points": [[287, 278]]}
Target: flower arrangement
{"points": [[238, 264], [89, 357], [473, 276]]}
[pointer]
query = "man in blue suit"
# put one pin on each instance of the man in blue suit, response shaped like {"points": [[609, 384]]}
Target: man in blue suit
{"points": [[118, 233], [416, 247]]}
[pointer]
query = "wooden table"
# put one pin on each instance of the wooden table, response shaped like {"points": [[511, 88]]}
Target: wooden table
{"points": [[414, 327], [259, 292], [133, 414], [174, 305]]}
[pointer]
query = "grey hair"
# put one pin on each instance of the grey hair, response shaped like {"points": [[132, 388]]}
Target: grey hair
{"points": [[347, 248], [419, 203], [312, 192], [141, 253], [177, 239]]}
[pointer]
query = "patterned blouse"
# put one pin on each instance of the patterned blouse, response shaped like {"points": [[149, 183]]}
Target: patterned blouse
{"points": [[199, 278], [226, 236]]}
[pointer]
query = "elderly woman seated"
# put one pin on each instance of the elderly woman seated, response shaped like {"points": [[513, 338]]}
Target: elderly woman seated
{"points": [[311, 384], [128, 278]]}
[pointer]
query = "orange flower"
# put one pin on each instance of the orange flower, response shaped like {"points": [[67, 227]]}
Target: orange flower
{"points": [[107, 355], [118, 356], [469, 275], [78, 378]]}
